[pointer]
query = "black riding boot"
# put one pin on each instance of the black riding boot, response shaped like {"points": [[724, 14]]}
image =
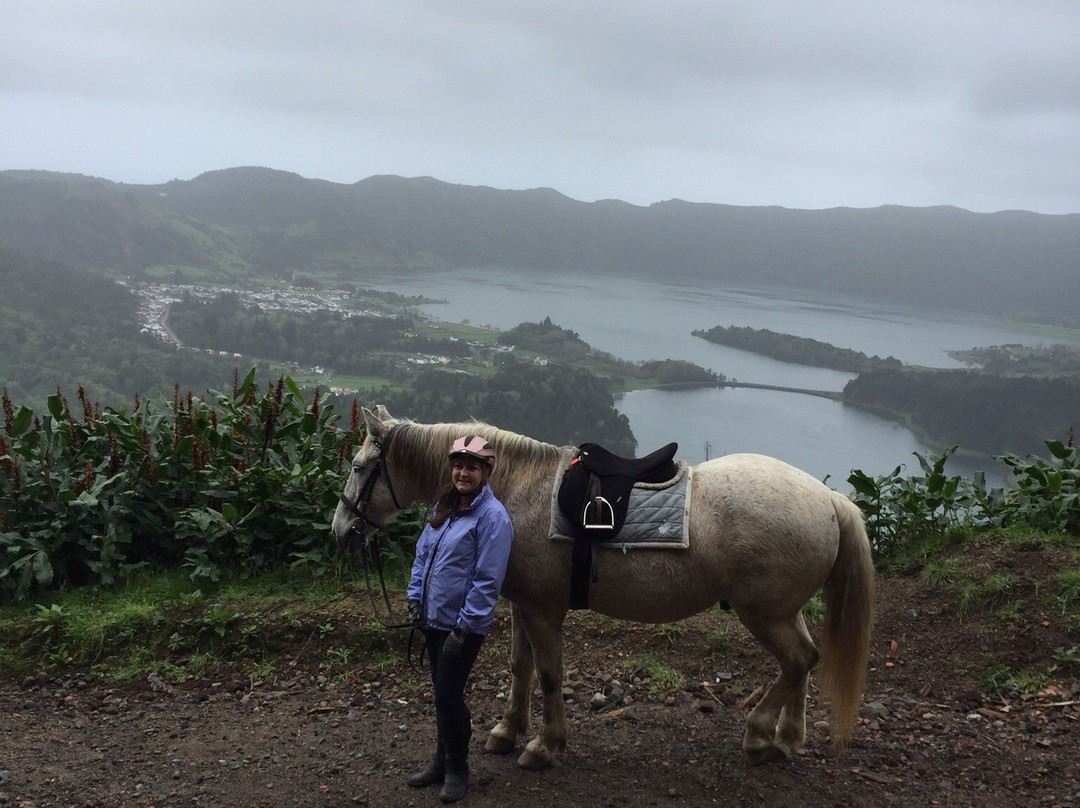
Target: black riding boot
{"points": [[457, 734], [435, 773], [455, 784]]}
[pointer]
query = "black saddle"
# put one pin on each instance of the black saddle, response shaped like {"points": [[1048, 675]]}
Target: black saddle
{"points": [[594, 496]]}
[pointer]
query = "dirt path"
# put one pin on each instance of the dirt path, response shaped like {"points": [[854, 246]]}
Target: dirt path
{"points": [[345, 738]]}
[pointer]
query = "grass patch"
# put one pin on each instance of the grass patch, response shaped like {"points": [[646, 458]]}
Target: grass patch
{"points": [[1022, 537], [179, 273], [661, 678], [1011, 612], [668, 631], [946, 571], [163, 624], [1068, 598], [463, 331], [719, 641], [992, 592], [915, 551], [1007, 682], [1066, 661]]}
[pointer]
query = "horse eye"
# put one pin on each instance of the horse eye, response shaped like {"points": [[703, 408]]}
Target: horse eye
{"points": [[357, 468]]}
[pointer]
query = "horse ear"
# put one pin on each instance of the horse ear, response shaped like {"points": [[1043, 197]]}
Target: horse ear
{"points": [[374, 422], [382, 413]]}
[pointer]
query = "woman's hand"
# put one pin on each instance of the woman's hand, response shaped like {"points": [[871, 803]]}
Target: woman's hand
{"points": [[453, 644]]}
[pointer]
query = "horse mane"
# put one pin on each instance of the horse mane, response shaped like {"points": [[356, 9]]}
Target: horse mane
{"points": [[424, 448]]}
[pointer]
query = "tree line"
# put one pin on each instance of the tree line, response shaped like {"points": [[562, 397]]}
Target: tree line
{"points": [[797, 350]]}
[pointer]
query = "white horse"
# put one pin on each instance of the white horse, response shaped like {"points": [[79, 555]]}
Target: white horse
{"points": [[764, 538]]}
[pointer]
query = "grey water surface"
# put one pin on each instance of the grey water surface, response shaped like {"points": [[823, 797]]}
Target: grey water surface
{"points": [[637, 319]]}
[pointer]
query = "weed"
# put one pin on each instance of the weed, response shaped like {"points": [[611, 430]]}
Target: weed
{"points": [[339, 655], [719, 640], [1005, 682], [1066, 661], [262, 669], [668, 631], [814, 609], [49, 623], [138, 661], [1012, 612], [990, 592], [215, 620], [944, 571], [200, 663], [661, 678], [1069, 596], [59, 657]]}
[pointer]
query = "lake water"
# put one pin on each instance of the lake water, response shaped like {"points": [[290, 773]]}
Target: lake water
{"points": [[637, 319]]}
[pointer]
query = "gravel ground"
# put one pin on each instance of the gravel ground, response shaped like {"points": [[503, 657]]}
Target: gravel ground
{"points": [[936, 728]]}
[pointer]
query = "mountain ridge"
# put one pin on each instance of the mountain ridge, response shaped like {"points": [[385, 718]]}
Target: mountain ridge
{"points": [[263, 222]]}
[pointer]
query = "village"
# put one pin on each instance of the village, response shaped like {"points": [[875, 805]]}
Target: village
{"points": [[156, 298]]}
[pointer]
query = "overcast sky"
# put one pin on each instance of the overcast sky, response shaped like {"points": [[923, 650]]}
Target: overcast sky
{"points": [[974, 103]]}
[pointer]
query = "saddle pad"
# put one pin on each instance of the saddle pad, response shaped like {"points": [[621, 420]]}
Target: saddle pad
{"points": [[657, 517]]}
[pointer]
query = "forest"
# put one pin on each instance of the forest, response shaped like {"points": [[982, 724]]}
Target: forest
{"points": [[554, 403], [983, 412]]}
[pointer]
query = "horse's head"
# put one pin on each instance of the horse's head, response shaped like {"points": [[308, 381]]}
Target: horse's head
{"points": [[369, 499]]}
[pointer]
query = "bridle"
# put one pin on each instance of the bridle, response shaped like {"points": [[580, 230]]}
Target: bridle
{"points": [[369, 544], [359, 506]]}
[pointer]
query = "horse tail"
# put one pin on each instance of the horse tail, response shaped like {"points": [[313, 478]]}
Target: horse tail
{"points": [[849, 618]]}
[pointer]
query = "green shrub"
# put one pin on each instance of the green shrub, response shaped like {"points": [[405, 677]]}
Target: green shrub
{"points": [[1045, 493], [923, 510], [231, 486], [901, 510]]}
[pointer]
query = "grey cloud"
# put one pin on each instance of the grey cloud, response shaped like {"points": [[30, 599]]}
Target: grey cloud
{"points": [[969, 102]]}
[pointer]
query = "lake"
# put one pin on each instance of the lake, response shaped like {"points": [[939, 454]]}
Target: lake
{"points": [[637, 319]]}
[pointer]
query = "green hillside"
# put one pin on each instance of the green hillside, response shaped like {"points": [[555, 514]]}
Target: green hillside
{"points": [[62, 328], [260, 224]]}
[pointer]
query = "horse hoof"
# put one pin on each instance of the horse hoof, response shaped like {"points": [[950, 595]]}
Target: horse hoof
{"points": [[533, 760], [499, 744], [765, 754]]}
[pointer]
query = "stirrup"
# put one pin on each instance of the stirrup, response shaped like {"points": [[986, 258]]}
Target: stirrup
{"points": [[598, 515]]}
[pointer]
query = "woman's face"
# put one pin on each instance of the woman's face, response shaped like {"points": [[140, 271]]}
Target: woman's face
{"points": [[467, 475]]}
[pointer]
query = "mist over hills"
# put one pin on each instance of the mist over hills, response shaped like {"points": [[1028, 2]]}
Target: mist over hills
{"points": [[245, 223]]}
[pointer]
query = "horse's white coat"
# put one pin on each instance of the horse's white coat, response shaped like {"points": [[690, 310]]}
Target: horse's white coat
{"points": [[765, 537]]}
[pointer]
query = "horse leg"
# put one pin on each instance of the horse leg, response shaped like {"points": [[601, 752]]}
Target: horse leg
{"points": [[545, 636], [783, 707], [515, 721], [791, 728]]}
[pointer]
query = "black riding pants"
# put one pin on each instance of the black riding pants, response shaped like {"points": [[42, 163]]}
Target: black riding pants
{"points": [[448, 678]]}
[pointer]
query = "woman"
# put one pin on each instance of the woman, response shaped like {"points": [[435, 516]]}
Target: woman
{"points": [[459, 569]]}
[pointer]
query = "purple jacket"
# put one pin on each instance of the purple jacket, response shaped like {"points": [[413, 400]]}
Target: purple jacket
{"points": [[459, 567]]}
